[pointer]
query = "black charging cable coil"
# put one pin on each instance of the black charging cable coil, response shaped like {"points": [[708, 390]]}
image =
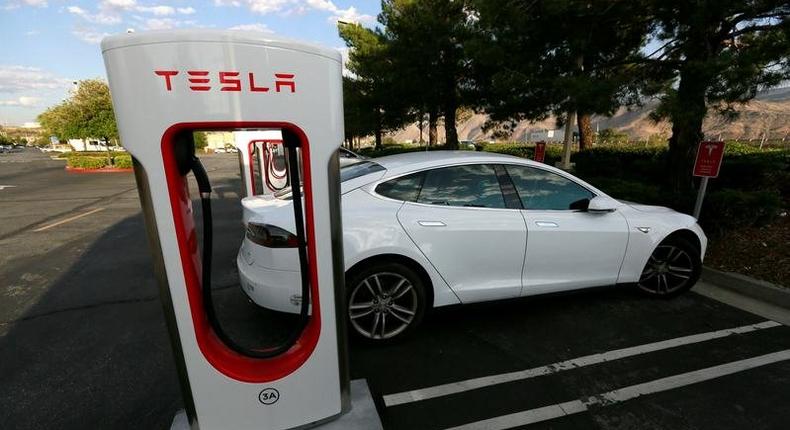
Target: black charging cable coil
{"points": [[204, 187]]}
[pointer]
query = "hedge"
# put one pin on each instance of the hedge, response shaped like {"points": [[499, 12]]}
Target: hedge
{"points": [[122, 162], [87, 162], [744, 168], [98, 160], [734, 209], [390, 149]]}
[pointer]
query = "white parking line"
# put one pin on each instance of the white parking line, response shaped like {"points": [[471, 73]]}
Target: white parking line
{"points": [[621, 395], [487, 381], [55, 224]]}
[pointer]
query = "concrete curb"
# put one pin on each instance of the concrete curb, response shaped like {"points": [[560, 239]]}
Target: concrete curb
{"points": [[747, 286]]}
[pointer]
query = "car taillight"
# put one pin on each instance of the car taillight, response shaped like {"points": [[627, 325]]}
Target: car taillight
{"points": [[271, 236]]}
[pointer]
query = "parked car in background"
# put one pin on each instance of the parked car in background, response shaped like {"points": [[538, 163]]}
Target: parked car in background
{"points": [[428, 229]]}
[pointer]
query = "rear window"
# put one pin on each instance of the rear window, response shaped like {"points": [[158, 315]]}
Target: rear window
{"points": [[405, 188], [359, 169]]}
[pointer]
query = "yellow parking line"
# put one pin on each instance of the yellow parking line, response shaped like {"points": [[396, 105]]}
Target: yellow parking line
{"points": [[63, 221]]}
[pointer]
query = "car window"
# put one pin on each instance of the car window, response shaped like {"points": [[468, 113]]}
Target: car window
{"points": [[405, 188], [473, 185], [540, 189], [359, 169]]}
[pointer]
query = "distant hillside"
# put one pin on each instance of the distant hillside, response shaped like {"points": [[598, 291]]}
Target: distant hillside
{"points": [[768, 113]]}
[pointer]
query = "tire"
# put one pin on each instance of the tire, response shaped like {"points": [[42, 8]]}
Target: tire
{"points": [[672, 269], [386, 301]]}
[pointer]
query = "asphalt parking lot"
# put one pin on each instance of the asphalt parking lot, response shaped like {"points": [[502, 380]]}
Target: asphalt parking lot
{"points": [[83, 342]]}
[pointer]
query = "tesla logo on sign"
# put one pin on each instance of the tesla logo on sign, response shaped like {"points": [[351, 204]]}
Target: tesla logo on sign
{"points": [[203, 80], [709, 156], [269, 396]]}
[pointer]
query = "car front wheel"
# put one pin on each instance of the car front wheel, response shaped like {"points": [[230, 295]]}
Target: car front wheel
{"points": [[386, 301], [673, 268]]}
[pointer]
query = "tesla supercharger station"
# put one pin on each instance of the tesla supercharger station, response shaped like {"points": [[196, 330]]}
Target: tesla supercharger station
{"points": [[261, 161], [166, 85]]}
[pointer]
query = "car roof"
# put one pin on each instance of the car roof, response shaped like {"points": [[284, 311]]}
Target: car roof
{"points": [[400, 164], [412, 161]]}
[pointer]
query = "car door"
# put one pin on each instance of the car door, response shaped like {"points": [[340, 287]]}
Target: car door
{"points": [[567, 247], [459, 220]]}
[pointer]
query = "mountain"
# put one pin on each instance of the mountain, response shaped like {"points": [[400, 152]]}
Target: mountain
{"points": [[768, 114]]}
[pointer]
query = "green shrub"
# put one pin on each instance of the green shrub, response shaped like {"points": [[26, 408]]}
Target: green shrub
{"points": [[391, 149], [632, 162], [754, 171], [632, 191], [516, 149], [732, 209], [122, 161], [87, 162], [525, 150]]}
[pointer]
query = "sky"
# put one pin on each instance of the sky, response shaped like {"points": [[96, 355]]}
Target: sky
{"points": [[46, 45]]}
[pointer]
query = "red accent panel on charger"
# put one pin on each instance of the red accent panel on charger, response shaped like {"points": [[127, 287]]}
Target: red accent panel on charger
{"points": [[225, 360]]}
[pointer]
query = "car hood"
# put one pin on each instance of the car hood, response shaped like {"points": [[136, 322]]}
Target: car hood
{"points": [[647, 208]]}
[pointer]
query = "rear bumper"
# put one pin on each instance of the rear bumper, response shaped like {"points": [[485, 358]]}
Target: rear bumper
{"points": [[278, 290]]}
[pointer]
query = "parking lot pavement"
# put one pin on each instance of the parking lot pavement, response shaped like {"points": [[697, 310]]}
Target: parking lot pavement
{"points": [[83, 343], [606, 359]]}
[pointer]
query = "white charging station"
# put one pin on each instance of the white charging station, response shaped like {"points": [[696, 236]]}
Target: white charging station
{"points": [[164, 86], [261, 161]]}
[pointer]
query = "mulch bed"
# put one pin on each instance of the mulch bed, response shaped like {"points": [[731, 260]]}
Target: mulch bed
{"points": [[759, 252]]}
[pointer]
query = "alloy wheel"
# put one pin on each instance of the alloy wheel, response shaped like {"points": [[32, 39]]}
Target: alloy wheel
{"points": [[382, 305], [669, 269]]}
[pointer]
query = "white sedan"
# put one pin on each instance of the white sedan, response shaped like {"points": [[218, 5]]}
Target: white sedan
{"points": [[429, 229]]}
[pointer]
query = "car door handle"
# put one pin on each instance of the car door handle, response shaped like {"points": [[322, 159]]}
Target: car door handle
{"points": [[431, 223], [547, 224]]}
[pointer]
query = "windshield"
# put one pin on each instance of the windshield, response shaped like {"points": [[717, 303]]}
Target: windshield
{"points": [[359, 169]]}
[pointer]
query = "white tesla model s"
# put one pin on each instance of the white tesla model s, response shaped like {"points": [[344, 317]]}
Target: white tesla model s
{"points": [[429, 229]]}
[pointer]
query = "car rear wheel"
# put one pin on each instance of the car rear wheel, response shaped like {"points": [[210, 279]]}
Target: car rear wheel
{"points": [[673, 268], [386, 301]]}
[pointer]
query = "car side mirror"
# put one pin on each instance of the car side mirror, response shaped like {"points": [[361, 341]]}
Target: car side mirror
{"points": [[601, 204]]}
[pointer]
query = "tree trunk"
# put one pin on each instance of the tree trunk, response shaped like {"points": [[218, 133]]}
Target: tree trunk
{"points": [[420, 123], [378, 138], [585, 131], [567, 142], [687, 116], [379, 129], [433, 119], [450, 132]]}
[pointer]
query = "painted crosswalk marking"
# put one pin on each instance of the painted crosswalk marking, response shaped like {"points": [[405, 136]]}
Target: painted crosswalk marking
{"points": [[487, 381]]}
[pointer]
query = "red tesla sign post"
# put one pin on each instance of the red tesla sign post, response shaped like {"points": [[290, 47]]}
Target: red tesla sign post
{"points": [[707, 165], [540, 151]]}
